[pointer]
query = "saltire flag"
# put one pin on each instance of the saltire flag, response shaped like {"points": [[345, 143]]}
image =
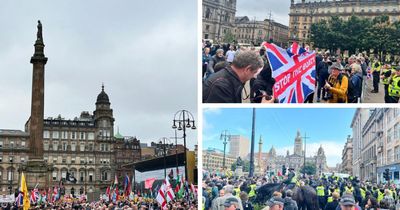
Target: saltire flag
{"points": [[294, 73], [161, 198], [127, 185]]}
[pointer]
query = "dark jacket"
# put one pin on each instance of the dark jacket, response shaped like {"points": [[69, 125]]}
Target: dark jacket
{"points": [[290, 204], [331, 205], [264, 84], [247, 206], [322, 72], [355, 87], [213, 61], [223, 87]]}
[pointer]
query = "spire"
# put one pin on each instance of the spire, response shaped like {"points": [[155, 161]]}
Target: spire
{"points": [[102, 86], [260, 142]]}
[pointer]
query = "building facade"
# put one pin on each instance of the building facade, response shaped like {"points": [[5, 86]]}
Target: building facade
{"points": [[239, 146], [347, 157], [272, 163], [256, 32], [303, 13], [359, 119], [213, 160], [218, 18]]}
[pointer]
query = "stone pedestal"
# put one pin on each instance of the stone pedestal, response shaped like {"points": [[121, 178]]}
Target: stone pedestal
{"points": [[239, 171], [37, 172]]}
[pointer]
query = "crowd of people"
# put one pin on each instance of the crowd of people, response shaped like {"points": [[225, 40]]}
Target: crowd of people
{"points": [[138, 203], [227, 68], [283, 192]]}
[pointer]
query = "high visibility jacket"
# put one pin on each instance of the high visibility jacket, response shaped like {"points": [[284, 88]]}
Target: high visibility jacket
{"points": [[294, 179], [330, 199], [237, 192], [386, 80], [320, 191], [362, 193], [380, 196], [378, 69], [349, 189], [394, 89], [252, 192]]}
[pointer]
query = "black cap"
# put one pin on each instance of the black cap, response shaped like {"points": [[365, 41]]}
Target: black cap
{"points": [[231, 201]]}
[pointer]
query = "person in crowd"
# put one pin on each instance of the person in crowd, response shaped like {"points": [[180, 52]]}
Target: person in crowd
{"points": [[218, 57], [336, 85], [230, 54], [322, 71], [289, 203], [205, 60], [226, 86]]}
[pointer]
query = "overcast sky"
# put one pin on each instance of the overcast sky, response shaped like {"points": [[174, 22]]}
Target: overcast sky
{"points": [[143, 51], [260, 9]]}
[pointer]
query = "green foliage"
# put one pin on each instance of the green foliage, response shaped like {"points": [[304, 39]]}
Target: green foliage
{"points": [[309, 169], [229, 37], [357, 34]]}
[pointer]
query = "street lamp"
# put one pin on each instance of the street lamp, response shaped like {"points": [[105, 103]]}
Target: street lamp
{"points": [[12, 167], [184, 119], [163, 141], [225, 138]]}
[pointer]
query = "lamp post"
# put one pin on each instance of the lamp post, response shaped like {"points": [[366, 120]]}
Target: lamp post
{"points": [[225, 138], [163, 141], [12, 166], [251, 171], [305, 147], [176, 149], [184, 119]]}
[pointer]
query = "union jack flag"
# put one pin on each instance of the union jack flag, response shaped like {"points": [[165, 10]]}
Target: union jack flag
{"points": [[294, 72], [19, 200], [35, 195]]}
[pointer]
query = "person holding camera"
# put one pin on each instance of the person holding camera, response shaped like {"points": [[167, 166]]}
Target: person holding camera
{"points": [[336, 85]]}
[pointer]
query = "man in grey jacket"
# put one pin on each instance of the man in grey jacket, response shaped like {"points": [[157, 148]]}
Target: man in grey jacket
{"points": [[218, 203]]}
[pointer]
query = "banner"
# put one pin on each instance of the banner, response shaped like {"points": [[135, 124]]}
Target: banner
{"points": [[7, 198], [149, 183], [294, 72]]}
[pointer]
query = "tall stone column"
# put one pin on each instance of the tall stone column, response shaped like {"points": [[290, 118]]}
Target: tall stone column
{"points": [[37, 106]]}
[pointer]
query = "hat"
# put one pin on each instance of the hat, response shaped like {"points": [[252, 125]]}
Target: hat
{"points": [[347, 200], [275, 201], [231, 201], [336, 66]]}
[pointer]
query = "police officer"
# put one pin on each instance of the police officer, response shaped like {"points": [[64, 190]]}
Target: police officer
{"points": [[376, 71], [386, 75], [394, 87], [321, 194], [291, 181], [252, 192]]}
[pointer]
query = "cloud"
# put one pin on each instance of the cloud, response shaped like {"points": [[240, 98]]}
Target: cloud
{"points": [[213, 111]]}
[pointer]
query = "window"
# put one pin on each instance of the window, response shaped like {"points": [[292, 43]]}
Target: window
{"points": [[90, 176], [64, 146], [11, 159], [54, 175], [54, 160], [82, 147], [73, 160], [91, 136], [396, 153], [10, 175], [389, 156], [64, 160], [396, 131], [82, 135], [23, 143], [73, 146], [1, 159], [389, 135], [55, 135], [22, 160], [1, 144], [90, 147], [63, 174], [81, 176], [46, 134], [55, 146], [64, 134], [104, 176], [90, 161]]}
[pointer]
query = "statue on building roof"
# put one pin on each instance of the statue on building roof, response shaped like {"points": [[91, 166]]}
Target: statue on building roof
{"points": [[39, 32]]}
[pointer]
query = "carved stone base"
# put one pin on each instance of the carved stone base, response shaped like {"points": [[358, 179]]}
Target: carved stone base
{"points": [[37, 172], [239, 171]]}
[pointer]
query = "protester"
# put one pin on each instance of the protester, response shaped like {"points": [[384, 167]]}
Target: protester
{"points": [[218, 57], [336, 85], [226, 86], [206, 59]]}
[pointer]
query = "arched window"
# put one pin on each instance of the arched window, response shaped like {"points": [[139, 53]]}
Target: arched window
{"points": [[208, 13]]}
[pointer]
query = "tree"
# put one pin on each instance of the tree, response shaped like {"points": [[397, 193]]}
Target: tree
{"points": [[229, 37], [309, 169]]}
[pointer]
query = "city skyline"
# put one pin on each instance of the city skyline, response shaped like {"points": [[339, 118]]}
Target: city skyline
{"points": [[238, 122], [84, 51]]}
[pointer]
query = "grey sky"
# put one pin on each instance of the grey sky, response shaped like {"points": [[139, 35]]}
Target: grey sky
{"points": [[143, 51], [260, 9]]}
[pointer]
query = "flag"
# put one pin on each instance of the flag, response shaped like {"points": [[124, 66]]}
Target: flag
{"points": [[161, 197], [19, 200], [194, 190], [108, 193], [369, 74], [181, 191], [178, 182], [127, 185], [24, 191], [56, 194], [295, 49], [294, 74], [35, 195], [149, 183], [49, 197], [115, 182], [169, 191]]}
